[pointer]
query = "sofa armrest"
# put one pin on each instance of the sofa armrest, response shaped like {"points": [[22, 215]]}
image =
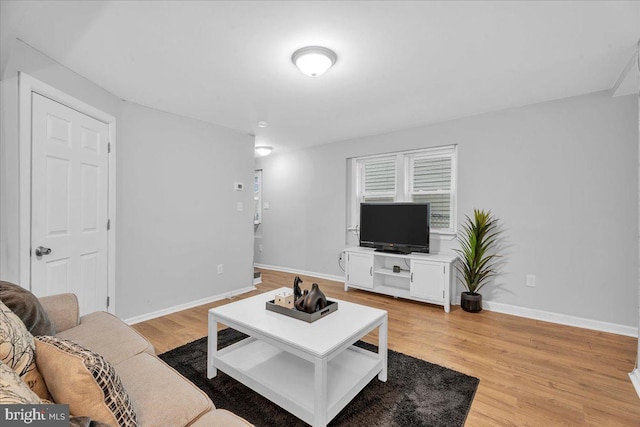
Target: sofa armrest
{"points": [[63, 310]]}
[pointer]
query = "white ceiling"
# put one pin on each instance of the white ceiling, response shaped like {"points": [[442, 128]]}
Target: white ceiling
{"points": [[400, 64]]}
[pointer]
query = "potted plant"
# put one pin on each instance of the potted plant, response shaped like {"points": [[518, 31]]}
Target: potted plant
{"points": [[476, 256]]}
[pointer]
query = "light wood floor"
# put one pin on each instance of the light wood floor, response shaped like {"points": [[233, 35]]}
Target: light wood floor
{"points": [[531, 373]]}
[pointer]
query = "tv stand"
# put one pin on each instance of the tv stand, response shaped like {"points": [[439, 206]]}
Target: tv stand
{"points": [[421, 277]]}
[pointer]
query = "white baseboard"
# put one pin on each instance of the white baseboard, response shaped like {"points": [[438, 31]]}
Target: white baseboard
{"points": [[301, 272], [635, 379], [547, 316], [562, 319], [176, 308]]}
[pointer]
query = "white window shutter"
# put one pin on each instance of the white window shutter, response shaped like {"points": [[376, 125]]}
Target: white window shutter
{"points": [[379, 180], [432, 181], [431, 174]]}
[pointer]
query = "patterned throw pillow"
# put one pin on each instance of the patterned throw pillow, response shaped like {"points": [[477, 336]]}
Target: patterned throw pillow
{"points": [[17, 351], [85, 381], [13, 390]]}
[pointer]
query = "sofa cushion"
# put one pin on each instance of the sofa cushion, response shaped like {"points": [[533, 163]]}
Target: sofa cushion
{"points": [[160, 395], [27, 307], [13, 390], [220, 418], [108, 336], [17, 350], [85, 422], [85, 381]]}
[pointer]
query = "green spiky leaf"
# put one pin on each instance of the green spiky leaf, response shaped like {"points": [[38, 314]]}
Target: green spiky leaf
{"points": [[476, 258]]}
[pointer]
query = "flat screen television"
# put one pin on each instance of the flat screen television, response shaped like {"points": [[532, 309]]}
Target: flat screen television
{"points": [[395, 227]]}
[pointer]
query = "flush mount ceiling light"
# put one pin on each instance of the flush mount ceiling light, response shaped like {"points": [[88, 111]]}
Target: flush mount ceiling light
{"points": [[263, 150], [314, 60], [262, 124]]}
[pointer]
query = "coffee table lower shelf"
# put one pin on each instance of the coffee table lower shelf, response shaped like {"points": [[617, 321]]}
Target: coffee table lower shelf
{"points": [[289, 380]]}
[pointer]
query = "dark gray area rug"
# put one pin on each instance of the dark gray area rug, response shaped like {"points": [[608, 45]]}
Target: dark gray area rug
{"points": [[417, 393]]}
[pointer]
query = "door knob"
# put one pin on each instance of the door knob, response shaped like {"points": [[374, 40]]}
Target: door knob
{"points": [[41, 250]]}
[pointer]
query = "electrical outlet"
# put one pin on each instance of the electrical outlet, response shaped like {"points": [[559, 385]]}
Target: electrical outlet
{"points": [[531, 280], [220, 268]]}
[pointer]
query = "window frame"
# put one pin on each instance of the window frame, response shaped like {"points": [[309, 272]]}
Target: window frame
{"points": [[404, 182], [434, 153], [257, 197]]}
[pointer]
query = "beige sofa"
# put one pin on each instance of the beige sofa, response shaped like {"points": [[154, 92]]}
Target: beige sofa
{"points": [[160, 395]]}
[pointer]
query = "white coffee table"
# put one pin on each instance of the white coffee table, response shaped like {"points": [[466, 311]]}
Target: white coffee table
{"points": [[312, 370]]}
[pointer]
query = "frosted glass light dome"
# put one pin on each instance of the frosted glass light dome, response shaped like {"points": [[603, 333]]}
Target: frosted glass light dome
{"points": [[263, 150], [314, 61]]}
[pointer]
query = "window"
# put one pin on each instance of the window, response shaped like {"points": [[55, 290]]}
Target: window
{"points": [[431, 180], [257, 197], [378, 179], [425, 176]]}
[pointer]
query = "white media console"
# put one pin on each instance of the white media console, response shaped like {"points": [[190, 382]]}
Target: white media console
{"points": [[421, 277]]}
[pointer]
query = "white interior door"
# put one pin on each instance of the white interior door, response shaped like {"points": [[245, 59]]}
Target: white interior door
{"points": [[69, 204]]}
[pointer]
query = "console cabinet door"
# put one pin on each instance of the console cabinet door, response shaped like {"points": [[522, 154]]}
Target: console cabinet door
{"points": [[360, 270], [427, 280]]}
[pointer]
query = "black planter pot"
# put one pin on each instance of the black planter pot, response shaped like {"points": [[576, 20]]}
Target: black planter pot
{"points": [[471, 302]]}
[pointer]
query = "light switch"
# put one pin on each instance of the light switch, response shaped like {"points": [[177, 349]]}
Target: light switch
{"points": [[240, 207]]}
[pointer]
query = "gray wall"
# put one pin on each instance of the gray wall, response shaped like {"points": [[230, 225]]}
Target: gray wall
{"points": [[304, 227], [177, 211], [561, 176], [176, 207], [26, 59]]}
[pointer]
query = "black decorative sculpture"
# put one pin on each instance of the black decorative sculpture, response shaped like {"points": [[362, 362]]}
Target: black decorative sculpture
{"points": [[297, 292], [299, 303], [309, 301], [315, 300]]}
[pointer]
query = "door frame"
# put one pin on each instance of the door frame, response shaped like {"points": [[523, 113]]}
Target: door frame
{"points": [[26, 86]]}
